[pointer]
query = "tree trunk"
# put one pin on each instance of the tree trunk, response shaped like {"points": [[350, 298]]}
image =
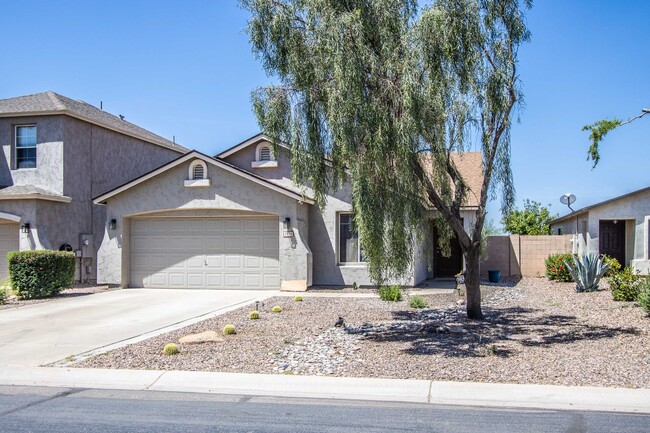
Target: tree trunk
{"points": [[473, 282]]}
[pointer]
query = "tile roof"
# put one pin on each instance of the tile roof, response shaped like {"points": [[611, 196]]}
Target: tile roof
{"points": [[470, 166], [53, 103]]}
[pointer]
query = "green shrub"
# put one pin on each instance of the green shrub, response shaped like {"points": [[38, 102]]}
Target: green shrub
{"points": [[171, 349], [229, 330], [40, 274], [625, 284], [556, 268], [297, 298], [614, 265], [418, 302], [390, 293], [254, 315], [276, 309], [644, 295], [3, 296]]}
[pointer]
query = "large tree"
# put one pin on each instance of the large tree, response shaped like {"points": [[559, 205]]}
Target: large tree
{"points": [[533, 219], [382, 93]]}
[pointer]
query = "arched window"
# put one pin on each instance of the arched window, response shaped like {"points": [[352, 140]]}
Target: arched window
{"points": [[197, 175], [265, 153]]}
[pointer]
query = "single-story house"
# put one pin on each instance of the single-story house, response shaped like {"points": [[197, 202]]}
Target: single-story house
{"points": [[236, 220], [618, 227]]}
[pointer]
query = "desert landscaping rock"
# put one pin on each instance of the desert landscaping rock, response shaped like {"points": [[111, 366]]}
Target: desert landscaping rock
{"points": [[201, 337], [534, 332]]}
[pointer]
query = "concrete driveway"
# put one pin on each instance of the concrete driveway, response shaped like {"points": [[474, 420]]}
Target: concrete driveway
{"points": [[40, 334]]}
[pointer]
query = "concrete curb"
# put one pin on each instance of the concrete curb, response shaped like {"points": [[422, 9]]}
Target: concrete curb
{"points": [[346, 388]]}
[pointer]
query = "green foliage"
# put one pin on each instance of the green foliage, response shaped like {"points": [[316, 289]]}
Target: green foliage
{"points": [[613, 266], [390, 293], [40, 274], [597, 131], [355, 286], [3, 297], [587, 271], [556, 268], [171, 349], [254, 315], [534, 219], [644, 295], [229, 330], [276, 309], [625, 284], [380, 93], [297, 298], [418, 302]]}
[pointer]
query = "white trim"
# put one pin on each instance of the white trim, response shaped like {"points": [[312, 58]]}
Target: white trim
{"points": [[243, 145], [190, 174], [646, 237], [36, 196], [358, 263], [10, 217], [264, 164], [196, 183], [194, 154], [258, 152]]}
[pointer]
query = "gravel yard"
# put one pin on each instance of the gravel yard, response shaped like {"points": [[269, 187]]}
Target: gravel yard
{"points": [[535, 332], [12, 301]]}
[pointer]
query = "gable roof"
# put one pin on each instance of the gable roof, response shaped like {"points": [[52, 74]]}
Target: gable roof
{"points": [[30, 192], [244, 144], [595, 205], [293, 193], [50, 103]]}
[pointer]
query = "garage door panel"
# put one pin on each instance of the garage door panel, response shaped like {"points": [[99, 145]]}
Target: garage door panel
{"points": [[224, 253], [8, 242]]}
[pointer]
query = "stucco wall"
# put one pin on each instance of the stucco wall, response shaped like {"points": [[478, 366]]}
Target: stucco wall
{"points": [[228, 191], [49, 154]]}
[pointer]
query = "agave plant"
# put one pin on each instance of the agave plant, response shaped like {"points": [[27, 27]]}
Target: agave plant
{"points": [[587, 271]]}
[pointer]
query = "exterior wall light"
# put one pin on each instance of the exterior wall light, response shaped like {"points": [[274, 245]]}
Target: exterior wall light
{"points": [[112, 224], [287, 223], [25, 228]]}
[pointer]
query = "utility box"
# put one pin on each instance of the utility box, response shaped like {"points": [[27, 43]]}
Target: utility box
{"points": [[86, 241]]}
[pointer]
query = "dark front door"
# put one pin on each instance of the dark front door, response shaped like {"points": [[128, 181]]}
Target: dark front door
{"points": [[444, 267], [611, 239]]}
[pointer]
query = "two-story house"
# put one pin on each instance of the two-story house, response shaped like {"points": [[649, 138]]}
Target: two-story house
{"points": [[57, 154], [237, 221]]}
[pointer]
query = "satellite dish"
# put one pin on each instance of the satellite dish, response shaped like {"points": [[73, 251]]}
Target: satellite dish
{"points": [[568, 199]]}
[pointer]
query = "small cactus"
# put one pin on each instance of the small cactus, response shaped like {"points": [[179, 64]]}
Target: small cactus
{"points": [[297, 298], [254, 315], [276, 309], [171, 349], [229, 330]]}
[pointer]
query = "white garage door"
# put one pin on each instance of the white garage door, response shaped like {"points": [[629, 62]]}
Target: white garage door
{"points": [[205, 253], [8, 242]]}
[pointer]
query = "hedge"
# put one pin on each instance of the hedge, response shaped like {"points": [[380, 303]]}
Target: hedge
{"points": [[40, 274]]}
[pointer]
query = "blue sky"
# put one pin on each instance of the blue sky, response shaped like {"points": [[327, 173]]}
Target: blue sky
{"points": [[186, 69]]}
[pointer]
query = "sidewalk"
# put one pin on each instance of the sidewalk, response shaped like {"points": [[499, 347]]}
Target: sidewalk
{"points": [[413, 391]]}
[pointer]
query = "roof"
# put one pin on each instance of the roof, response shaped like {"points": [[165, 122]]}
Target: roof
{"points": [[30, 192], [50, 103], [470, 165], [291, 192], [588, 208]]}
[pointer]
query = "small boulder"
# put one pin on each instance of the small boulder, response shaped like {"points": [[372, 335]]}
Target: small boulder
{"points": [[460, 302], [203, 337]]}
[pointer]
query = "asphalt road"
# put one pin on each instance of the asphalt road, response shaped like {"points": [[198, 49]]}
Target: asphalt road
{"points": [[56, 410]]}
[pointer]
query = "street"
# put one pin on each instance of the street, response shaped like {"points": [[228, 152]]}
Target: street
{"points": [[65, 410]]}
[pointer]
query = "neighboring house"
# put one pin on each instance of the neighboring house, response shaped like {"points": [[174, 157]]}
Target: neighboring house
{"points": [[618, 227], [57, 154], [237, 221]]}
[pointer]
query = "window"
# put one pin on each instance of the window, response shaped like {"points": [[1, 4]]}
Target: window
{"points": [[265, 153], [350, 250], [25, 147]]}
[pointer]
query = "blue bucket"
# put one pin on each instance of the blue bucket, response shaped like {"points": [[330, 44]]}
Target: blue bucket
{"points": [[494, 276]]}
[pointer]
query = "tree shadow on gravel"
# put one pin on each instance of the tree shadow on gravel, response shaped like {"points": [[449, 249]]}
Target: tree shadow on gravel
{"points": [[449, 333]]}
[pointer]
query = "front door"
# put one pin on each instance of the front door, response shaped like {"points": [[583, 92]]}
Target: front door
{"points": [[445, 267], [611, 239]]}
